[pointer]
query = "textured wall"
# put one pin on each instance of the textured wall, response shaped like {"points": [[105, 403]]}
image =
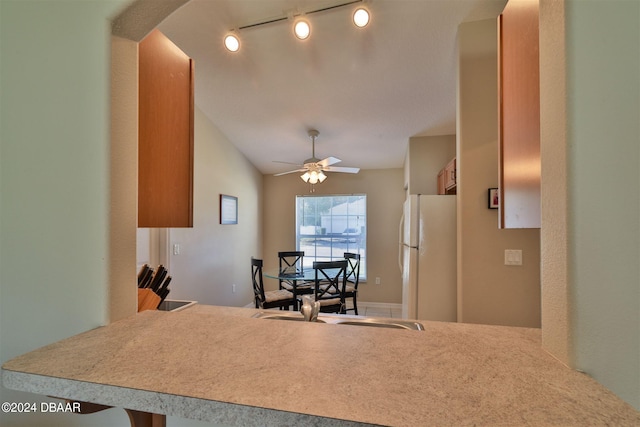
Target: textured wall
{"points": [[556, 321]]}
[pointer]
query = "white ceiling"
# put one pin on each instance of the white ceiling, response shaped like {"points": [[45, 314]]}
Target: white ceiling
{"points": [[366, 90]]}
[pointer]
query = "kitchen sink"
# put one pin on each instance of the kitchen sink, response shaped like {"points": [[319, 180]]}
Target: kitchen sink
{"points": [[291, 317], [175, 305], [383, 323], [345, 320]]}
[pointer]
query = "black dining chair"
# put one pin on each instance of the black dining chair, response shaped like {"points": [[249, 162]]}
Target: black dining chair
{"points": [[292, 262], [268, 299], [353, 278], [329, 285]]}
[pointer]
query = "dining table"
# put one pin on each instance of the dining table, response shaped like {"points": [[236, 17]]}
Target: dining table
{"points": [[299, 279]]}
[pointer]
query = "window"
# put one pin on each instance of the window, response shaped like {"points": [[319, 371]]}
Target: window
{"points": [[329, 226]]}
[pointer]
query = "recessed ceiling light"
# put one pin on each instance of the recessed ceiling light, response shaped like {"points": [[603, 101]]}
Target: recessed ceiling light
{"points": [[302, 29], [361, 17], [232, 43]]}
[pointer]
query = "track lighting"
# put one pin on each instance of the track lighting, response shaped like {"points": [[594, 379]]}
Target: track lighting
{"points": [[301, 27]]}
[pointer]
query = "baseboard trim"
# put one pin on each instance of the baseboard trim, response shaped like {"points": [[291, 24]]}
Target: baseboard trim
{"points": [[391, 306], [381, 305]]}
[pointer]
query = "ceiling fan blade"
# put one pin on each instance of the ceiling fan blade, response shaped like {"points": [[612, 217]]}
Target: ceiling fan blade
{"points": [[329, 161], [293, 171], [341, 169]]}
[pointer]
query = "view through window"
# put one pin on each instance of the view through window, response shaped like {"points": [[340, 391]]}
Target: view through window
{"points": [[329, 226]]}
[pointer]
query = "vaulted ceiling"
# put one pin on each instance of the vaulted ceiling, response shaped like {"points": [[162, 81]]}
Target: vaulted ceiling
{"points": [[367, 91]]}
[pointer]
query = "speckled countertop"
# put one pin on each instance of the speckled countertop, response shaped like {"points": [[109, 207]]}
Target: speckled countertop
{"points": [[220, 364]]}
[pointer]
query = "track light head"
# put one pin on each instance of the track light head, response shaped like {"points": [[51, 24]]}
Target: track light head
{"points": [[301, 29], [232, 42], [361, 17]]}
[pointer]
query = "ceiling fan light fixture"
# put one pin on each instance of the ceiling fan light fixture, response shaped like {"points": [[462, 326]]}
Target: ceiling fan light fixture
{"points": [[232, 42], [302, 29], [313, 168], [361, 17], [313, 178]]}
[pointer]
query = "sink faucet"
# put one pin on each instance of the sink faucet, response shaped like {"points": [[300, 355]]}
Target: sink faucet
{"points": [[310, 308]]}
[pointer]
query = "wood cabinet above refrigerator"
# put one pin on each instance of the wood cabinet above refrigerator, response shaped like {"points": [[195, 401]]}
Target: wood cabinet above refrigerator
{"points": [[165, 134], [519, 116], [447, 178]]}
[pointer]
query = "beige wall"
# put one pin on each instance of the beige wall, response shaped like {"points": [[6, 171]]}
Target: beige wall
{"points": [[488, 291], [556, 321], [212, 256], [385, 195], [123, 178], [426, 156]]}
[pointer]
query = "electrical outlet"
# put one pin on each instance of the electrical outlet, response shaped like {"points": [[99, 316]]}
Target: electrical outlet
{"points": [[176, 248], [377, 280], [513, 257]]}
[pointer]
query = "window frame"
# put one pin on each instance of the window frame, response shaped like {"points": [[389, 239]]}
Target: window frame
{"points": [[311, 229]]}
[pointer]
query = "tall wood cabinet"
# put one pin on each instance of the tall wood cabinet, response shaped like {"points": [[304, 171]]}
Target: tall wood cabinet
{"points": [[519, 75], [165, 134]]}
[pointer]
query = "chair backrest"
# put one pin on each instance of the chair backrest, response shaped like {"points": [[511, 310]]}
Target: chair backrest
{"points": [[258, 283], [353, 269], [332, 276], [291, 261]]}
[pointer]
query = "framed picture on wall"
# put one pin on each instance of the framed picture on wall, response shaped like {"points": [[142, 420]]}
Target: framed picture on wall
{"points": [[228, 209], [493, 198]]}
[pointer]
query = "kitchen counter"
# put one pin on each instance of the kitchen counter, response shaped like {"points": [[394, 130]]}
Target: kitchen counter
{"points": [[219, 364]]}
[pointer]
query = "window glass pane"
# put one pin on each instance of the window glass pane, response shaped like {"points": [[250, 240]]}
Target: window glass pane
{"points": [[329, 226]]}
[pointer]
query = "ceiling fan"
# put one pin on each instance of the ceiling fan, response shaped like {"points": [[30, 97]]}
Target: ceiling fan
{"points": [[314, 168]]}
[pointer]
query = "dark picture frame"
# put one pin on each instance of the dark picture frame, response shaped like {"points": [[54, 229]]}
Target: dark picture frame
{"points": [[228, 209], [493, 198]]}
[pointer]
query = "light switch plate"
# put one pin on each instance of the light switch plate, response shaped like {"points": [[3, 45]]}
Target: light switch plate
{"points": [[513, 257]]}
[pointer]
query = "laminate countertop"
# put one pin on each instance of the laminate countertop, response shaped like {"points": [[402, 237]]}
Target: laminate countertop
{"points": [[222, 365]]}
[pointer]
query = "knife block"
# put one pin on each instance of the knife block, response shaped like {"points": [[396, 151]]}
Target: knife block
{"points": [[147, 300]]}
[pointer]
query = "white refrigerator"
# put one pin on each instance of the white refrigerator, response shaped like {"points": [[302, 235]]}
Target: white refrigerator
{"points": [[427, 258]]}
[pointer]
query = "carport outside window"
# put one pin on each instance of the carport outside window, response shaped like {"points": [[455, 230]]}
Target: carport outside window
{"points": [[329, 226]]}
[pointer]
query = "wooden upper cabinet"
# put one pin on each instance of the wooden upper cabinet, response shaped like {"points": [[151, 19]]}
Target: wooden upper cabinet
{"points": [[519, 129], [450, 177], [442, 189], [447, 178], [165, 134]]}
